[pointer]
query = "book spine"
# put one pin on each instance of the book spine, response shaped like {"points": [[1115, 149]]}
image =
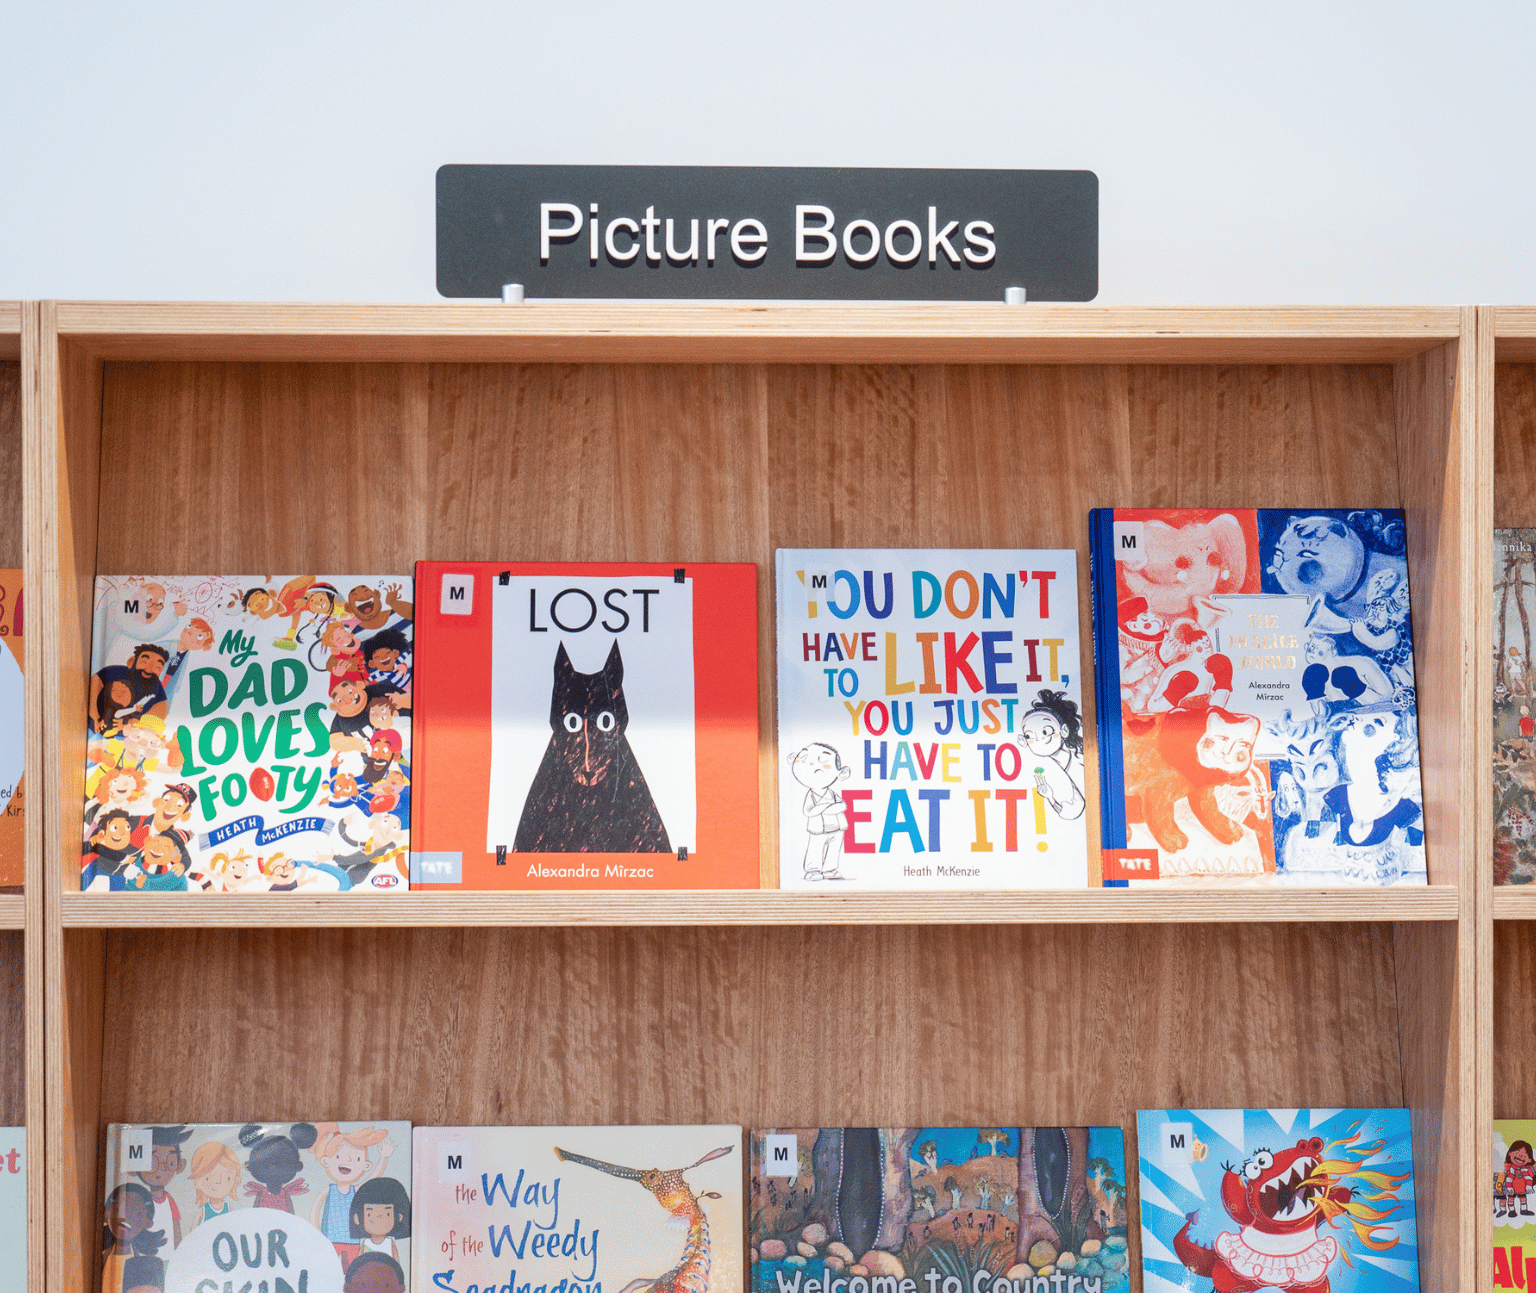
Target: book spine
{"points": [[1106, 680], [420, 721]]}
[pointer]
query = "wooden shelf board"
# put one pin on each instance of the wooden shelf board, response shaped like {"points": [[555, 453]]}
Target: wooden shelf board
{"points": [[731, 331], [757, 907], [1514, 902], [12, 911], [10, 329]]}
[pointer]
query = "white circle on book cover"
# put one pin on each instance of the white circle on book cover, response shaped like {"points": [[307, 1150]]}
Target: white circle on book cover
{"points": [[256, 1245]]}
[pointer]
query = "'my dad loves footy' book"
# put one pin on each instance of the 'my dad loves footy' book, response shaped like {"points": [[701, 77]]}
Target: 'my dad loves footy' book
{"points": [[249, 734], [1258, 722], [587, 726], [930, 720]]}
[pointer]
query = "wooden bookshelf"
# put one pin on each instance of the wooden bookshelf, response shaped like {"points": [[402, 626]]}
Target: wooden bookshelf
{"points": [[720, 432]]}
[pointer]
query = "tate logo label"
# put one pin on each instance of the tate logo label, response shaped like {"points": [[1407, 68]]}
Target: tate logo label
{"points": [[781, 1156], [452, 1155], [458, 596], [1176, 1142], [1130, 864]]}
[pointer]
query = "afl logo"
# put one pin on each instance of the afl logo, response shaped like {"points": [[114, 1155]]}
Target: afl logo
{"points": [[384, 881]]}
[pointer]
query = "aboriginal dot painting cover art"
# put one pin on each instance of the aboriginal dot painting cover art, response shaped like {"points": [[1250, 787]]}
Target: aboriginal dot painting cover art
{"points": [[915, 1209], [930, 720], [1238, 1200], [1258, 723], [579, 1209], [587, 726], [249, 734], [323, 1207]]}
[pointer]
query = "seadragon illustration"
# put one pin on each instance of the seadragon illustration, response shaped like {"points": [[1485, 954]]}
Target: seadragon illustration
{"points": [[691, 1274]]}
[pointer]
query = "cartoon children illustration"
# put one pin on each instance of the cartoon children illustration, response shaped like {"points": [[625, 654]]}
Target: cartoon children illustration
{"points": [[383, 749], [1517, 1178], [349, 703], [290, 602], [215, 1174], [141, 615], [387, 656], [343, 1155], [818, 767], [1527, 723], [166, 861], [374, 1273], [235, 872], [381, 1214], [1051, 731], [166, 1162], [274, 1164], [364, 605], [197, 636], [1141, 635], [121, 788], [127, 1235], [1384, 626]]}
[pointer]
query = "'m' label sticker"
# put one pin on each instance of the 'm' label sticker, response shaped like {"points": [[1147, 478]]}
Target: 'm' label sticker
{"points": [[781, 1156], [451, 1158], [458, 596], [1131, 542], [138, 1149], [1177, 1142]]}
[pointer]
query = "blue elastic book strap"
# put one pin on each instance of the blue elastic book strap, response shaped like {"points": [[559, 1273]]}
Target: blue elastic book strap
{"points": [[1106, 671]]}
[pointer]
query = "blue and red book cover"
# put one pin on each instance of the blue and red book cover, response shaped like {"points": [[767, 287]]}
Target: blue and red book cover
{"points": [[1257, 717], [586, 726]]}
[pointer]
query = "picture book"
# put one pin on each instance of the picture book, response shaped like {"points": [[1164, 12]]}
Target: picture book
{"points": [[12, 793], [914, 1209], [249, 734], [322, 1205], [587, 726], [930, 720], [579, 1209], [1514, 694], [1514, 1207], [13, 1207], [1277, 1199], [1256, 707]]}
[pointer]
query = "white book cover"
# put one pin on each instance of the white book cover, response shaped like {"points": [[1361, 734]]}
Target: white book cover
{"points": [[580, 1209], [930, 719]]}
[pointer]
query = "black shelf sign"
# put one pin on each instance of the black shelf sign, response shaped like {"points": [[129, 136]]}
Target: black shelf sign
{"points": [[767, 233]]}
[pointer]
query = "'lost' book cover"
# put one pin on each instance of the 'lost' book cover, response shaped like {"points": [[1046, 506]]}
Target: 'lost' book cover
{"points": [[930, 720], [1514, 1202], [580, 1209], [588, 726], [249, 734], [324, 1207], [1258, 722], [1303, 1199], [908, 1209]]}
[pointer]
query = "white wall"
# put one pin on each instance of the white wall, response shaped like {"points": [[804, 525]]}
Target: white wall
{"points": [[1246, 152]]}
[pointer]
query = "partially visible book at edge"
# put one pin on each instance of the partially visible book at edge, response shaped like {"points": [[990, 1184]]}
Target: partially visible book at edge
{"points": [[12, 757], [1258, 722], [1513, 1168], [1514, 695]]}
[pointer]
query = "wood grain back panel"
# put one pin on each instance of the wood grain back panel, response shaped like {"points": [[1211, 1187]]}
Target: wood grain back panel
{"points": [[1514, 445]]}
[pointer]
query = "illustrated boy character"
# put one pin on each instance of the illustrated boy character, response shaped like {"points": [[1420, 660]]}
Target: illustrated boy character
{"points": [[364, 605], [165, 1163], [383, 652], [1141, 634], [343, 1155], [349, 703], [818, 767], [172, 807], [197, 636], [165, 860], [141, 615], [1516, 1179], [112, 855]]}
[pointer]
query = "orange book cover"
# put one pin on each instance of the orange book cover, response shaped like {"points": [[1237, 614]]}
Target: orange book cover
{"points": [[586, 726], [13, 855]]}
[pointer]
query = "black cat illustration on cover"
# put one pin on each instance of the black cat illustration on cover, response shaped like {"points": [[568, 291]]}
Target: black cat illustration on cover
{"points": [[589, 795]]}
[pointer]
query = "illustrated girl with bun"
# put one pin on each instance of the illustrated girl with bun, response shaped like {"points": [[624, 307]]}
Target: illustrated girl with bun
{"points": [[1052, 732], [343, 1155], [274, 1164]]}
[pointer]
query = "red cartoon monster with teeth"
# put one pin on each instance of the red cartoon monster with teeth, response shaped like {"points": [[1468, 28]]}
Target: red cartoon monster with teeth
{"points": [[1281, 1201]]}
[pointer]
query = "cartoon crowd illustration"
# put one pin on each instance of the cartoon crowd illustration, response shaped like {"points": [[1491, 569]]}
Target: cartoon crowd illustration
{"points": [[199, 1173], [1330, 788], [294, 698]]}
